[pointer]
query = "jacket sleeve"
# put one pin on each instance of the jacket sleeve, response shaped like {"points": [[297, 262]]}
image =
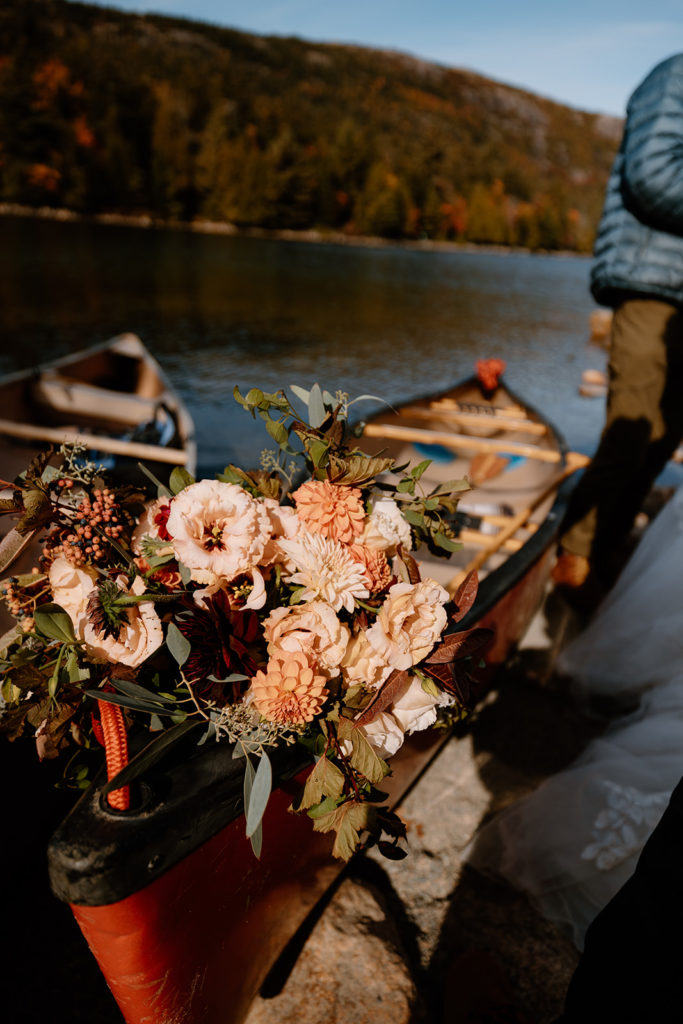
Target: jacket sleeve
{"points": [[653, 149]]}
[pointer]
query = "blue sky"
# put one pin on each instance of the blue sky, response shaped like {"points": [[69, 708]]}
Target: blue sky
{"points": [[587, 53]]}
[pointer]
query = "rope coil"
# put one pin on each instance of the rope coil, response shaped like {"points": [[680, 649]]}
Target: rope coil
{"points": [[115, 742]]}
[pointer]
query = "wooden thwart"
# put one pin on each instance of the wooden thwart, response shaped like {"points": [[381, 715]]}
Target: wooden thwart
{"points": [[95, 442], [461, 441], [475, 539], [475, 419], [488, 410], [574, 461]]}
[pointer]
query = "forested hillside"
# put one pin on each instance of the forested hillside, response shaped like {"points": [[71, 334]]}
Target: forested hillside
{"points": [[102, 111]]}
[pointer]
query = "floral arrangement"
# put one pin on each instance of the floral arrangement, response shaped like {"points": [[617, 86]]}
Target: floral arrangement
{"points": [[260, 608]]}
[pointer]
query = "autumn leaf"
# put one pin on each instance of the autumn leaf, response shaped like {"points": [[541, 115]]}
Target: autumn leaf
{"points": [[348, 820], [386, 696], [465, 596], [325, 780], [410, 563], [363, 758], [460, 645], [37, 510], [358, 470]]}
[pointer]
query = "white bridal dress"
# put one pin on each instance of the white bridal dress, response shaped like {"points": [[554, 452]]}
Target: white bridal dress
{"points": [[574, 842]]}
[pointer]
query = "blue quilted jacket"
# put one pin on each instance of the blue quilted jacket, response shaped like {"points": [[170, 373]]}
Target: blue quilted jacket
{"points": [[639, 248]]}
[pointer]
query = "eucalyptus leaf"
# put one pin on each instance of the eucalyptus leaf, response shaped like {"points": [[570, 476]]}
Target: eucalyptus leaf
{"points": [[210, 734], [277, 431], [371, 398], [150, 755], [413, 517], [318, 452], [316, 407], [254, 396], [75, 672], [178, 645], [417, 471], [450, 486], [259, 793], [256, 841], [185, 573], [136, 691], [162, 489], [248, 781], [180, 479], [133, 703], [54, 622], [301, 393], [447, 543], [234, 677], [406, 486]]}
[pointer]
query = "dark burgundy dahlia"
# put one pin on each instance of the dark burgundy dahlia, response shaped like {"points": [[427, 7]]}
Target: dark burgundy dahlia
{"points": [[223, 641]]}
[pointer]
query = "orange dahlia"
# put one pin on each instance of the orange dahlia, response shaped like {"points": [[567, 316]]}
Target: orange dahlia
{"points": [[377, 569], [288, 691], [331, 509]]}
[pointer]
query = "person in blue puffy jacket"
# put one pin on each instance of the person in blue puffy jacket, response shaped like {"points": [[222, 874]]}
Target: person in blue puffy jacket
{"points": [[637, 270]]}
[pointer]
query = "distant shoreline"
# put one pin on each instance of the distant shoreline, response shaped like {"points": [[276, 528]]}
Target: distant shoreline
{"points": [[312, 236]]}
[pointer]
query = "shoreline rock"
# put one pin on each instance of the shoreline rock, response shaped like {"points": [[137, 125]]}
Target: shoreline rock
{"points": [[310, 235]]}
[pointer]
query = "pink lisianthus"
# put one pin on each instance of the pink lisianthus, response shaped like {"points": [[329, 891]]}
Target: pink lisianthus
{"points": [[218, 528]]}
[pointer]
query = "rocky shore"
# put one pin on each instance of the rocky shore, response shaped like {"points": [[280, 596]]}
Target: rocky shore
{"points": [[309, 235]]}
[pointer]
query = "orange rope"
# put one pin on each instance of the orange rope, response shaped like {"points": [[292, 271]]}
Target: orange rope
{"points": [[115, 749]]}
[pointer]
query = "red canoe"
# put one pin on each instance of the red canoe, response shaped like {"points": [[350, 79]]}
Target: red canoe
{"points": [[184, 922]]}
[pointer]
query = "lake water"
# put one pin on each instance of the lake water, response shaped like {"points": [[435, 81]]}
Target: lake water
{"points": [[218, 311]]}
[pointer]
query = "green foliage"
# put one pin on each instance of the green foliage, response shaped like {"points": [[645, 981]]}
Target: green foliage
{"points": [[104, 111]]}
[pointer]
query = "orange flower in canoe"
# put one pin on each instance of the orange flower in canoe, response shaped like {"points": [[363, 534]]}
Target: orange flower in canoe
{"points": [[331, 509], [288, 691]]}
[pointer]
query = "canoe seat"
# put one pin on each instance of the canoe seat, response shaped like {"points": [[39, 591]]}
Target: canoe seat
{"points": [[72, 397]]}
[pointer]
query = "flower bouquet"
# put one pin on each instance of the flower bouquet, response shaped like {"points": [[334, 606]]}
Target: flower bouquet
{"points": [[262, 608]]}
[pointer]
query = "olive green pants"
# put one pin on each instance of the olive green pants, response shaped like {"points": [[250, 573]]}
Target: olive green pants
{"points": [[644, 425]]}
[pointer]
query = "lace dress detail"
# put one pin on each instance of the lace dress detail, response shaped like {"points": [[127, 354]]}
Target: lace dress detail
{"points": [[575, 841], [621, 828]]}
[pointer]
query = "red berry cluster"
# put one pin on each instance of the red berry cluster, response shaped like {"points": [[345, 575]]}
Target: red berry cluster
{"points": [[21, 598], [95, 521]]}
